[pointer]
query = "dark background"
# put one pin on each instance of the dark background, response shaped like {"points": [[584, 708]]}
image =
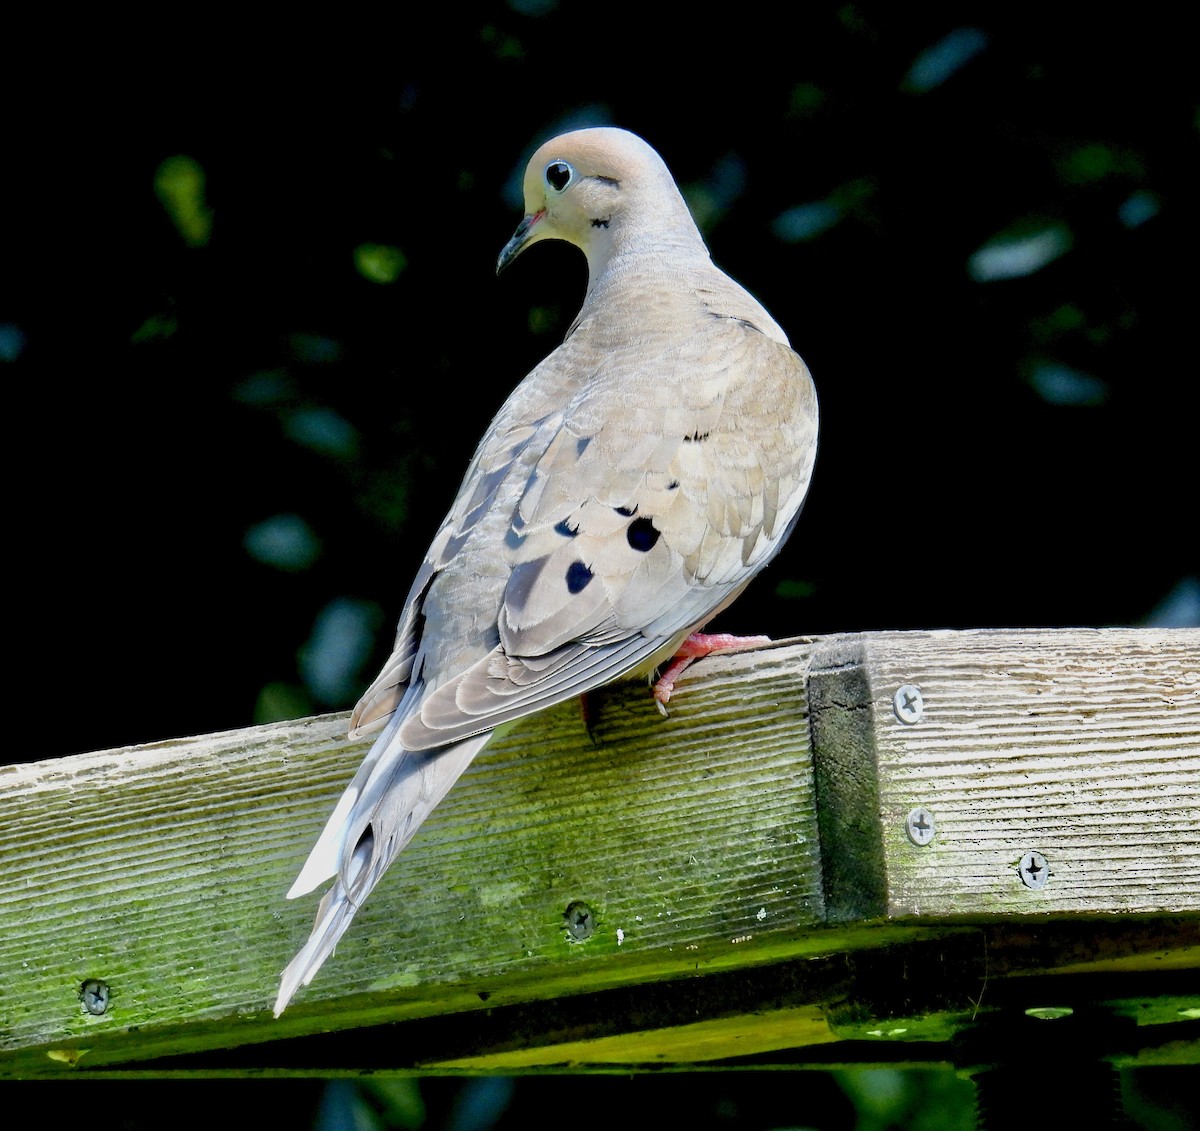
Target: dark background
{"points": [[230, 437]]}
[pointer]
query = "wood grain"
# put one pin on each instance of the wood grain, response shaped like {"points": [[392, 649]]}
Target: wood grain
{"points": [[728, 839], [161, 869], [1082, 746]]}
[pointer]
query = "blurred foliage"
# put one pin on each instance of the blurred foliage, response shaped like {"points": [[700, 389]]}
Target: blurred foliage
{"points": [[179, 184], [260, 321], [249, 408]]}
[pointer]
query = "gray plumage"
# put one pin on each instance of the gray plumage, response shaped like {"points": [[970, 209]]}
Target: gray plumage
{"points": [[629, 489]]}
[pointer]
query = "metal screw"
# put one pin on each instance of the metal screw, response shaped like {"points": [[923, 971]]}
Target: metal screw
{"points": [[908, 703], [1033, 870], [94, 994], [919, 826], [580, 921]]}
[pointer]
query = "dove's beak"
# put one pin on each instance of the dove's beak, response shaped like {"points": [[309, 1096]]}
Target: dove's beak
{"points": [[520, 241]]}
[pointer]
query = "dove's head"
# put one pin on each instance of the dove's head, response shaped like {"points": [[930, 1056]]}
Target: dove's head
{"points": [[604, 190]]}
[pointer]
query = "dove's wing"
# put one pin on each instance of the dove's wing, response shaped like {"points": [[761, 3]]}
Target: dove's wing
{"points": [[661, 489]]}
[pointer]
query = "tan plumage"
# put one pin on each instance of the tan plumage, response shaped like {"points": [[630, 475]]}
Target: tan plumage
{"points": [[629, 488]]}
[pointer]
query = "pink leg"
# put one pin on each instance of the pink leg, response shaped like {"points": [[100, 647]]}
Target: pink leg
{"points": [[693, 648]]}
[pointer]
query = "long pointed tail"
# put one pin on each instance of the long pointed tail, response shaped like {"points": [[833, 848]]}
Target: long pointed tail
{"points": [[391, 795]]}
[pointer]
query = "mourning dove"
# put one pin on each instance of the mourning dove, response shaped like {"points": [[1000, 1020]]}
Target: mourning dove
{"points": [[626, 492]]}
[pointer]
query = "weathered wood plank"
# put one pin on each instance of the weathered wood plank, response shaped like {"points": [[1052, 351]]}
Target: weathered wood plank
{"points": [[692, 841], [161, 869], [1082, 747]]}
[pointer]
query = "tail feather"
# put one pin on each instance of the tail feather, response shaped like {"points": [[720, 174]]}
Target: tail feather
{"points": [[326, 855], [391, 795]]}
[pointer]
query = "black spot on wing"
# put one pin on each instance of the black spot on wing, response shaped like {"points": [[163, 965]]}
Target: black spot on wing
{"points": [[696, 437], [578, 577], [642, 535], [628, 512], [566, 529]]}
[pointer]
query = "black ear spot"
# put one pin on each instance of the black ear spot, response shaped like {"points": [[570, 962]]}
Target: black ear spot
{"points": [[578, 577], [641, 535]]}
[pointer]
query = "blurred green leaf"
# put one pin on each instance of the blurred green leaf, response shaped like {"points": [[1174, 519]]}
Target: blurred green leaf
{"points": [[887, 1098], [379, 262], [792, 589], [157, 327], [322, 430], [1020, 251], [284, 541], [806, 221], [179, 183], [12, 341], [806, 100], [1059, 384], [1096, 161], [266, 388], [280, 701], [1137, 208], [341, 642], [943, 59], [344, 1107], [543, 319], [399, 1102], [314, 349]]}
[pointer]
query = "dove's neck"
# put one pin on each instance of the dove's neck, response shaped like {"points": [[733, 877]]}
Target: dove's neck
{"points": [[652, 234], [669, 260], [639, 255]]}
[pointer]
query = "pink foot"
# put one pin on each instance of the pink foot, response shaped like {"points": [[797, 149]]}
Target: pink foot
{"points": [[693, 648]]}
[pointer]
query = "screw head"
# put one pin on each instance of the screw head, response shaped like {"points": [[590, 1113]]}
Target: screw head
{"points": [[908, 703], [919, 826], [94, 995], [1033, 870], [579, 920]]}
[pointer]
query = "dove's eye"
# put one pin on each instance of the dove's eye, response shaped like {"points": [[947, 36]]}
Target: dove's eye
{"points": [[558, 175]]}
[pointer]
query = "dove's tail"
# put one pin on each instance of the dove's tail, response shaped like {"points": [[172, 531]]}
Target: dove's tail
{"points": [[393, 792]]}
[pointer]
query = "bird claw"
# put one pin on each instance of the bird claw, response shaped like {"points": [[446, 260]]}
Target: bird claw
{"points": [[695, 647]]}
